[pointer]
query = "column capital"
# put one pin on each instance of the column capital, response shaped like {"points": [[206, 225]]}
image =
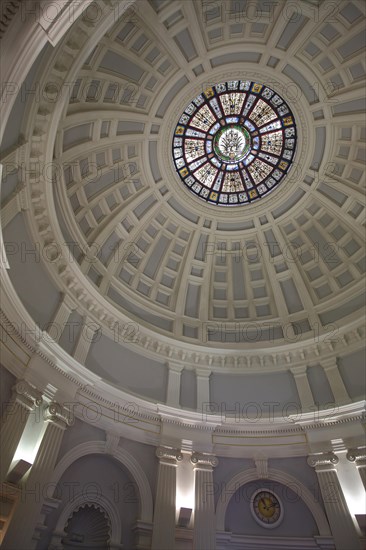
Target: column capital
{"points": [[57, 415], [68, 302], [27, 395], [202, 459], [299, 371], [358, 456], [167, 453], [330, 363], [203, 373], [175, 367], [323, 461]]}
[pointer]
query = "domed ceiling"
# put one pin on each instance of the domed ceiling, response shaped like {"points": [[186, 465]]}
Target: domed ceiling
{"points": [[234, 142], [283, 269]]}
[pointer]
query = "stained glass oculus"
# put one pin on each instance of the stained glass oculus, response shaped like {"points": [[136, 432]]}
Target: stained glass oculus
{"points": [[234, 143]]}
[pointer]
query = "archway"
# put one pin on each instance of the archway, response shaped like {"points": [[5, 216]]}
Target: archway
{"points": [[274, 475]]}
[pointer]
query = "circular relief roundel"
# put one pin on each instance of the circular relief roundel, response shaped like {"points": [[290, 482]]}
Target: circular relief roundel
{"points": [[234, 143]]}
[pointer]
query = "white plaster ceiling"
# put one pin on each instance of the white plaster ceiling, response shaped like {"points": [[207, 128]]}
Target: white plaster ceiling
{"points": [[165, 258], [282, 269]]}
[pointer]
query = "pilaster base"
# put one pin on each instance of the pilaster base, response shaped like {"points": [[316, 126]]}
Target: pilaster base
{"points": [[143, 535]]}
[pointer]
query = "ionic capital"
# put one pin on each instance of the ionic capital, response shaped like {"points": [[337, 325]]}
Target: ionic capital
{"points": [[167, 453], [202, 459], [323, 461], [58, 415], [358, 456], [27, 395]]}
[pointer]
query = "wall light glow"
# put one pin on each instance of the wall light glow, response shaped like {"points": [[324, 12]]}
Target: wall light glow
{"points": [[352, 486], [185, 485], [31, 438]]}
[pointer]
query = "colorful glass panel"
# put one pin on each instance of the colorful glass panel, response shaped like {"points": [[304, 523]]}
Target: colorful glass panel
{"points": [[234, 143]]}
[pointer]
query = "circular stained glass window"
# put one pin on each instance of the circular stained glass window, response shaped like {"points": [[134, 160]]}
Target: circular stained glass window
{"points": [[234, 143]]}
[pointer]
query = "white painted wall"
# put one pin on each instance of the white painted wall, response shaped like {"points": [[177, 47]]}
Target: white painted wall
{"points": [[7, 381], [297, 521], [352, 370], [28, 275], [127, 369], [249, 394]]}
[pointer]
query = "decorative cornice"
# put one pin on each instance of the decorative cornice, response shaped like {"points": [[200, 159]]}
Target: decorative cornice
{"points": [[168, 453], [100, 393], [151, 416], [202, 459], [351, 412], [268, 361], [323, 461]]}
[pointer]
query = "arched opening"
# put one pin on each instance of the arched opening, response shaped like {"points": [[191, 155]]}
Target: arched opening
{"points": [[88, 527]]}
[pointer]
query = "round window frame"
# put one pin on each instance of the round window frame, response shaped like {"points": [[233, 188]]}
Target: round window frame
{"points": [[252, 92]]}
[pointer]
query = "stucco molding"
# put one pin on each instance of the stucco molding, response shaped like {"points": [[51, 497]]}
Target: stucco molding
{"points": [[323, 461], [27, 394], [143, 420], [120, 455], [105, 505], [70, 280], [204, 460], [169, 454]]}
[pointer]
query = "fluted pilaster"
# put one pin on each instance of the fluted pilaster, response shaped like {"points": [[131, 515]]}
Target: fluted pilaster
{"points": [[358, 456], [28, 510], [165, 506], [204, 531], [25, 398], [340, 520]]}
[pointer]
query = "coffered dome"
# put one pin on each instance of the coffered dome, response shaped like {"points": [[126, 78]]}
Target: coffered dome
{"points": [[182, 265], [271, 260], [274, 271]]}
